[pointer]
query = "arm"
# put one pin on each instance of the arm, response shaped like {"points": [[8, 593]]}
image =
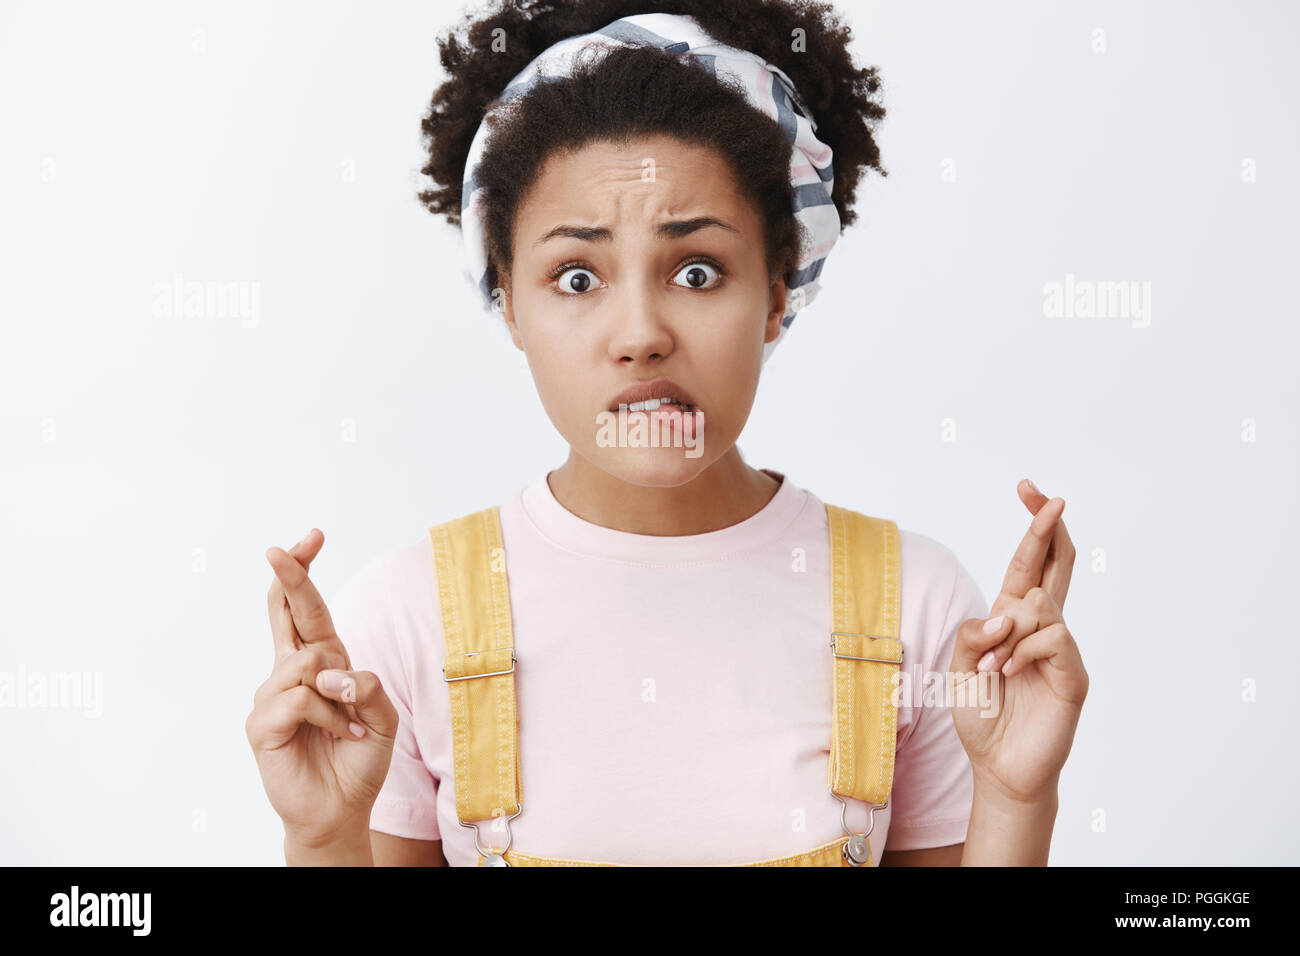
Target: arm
{"points": [[376, 849], [1001, 833], [392, 850], [929, 856], [1006, 832], [1025, 674], [350, 848]]}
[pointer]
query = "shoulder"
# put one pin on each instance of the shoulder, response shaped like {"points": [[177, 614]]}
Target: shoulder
{"points": [[929, 568], [931, 572], [938, 593], [388, 575], [390, 602], [932, 579]]}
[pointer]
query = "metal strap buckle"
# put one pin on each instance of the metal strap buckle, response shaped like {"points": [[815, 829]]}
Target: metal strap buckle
{"points": [[513, 660], [494, 856], [878, 637], [857, 850]]}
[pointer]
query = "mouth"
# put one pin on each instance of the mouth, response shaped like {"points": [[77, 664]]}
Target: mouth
{"points": [[650, 395], [650, 404]]}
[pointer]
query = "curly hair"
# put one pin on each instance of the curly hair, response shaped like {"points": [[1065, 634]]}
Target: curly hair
{"points": [[638, 91]]}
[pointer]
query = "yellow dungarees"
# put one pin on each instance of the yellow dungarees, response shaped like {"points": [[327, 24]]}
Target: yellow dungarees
{"points": [[866, 654]]}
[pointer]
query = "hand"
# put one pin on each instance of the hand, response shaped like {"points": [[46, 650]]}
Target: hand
{"points": [[320, 777], [1019, 735]]}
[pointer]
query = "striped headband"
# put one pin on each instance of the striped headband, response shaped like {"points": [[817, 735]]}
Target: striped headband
{"points": [[811, 172]]}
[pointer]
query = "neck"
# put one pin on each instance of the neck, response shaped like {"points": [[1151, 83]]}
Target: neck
{"points": [[726, 493]]}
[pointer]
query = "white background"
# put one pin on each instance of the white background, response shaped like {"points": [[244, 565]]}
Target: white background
{"points": [[147, 462]]}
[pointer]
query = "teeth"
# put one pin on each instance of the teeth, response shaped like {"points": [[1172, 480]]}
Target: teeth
{"points": [[650, 404]]}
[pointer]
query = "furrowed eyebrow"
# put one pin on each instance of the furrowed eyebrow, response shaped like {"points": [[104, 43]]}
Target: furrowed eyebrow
{"points": [[665, 230]]}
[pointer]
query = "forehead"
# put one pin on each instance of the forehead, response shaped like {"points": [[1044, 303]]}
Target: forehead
{"points": [[644, 179]]}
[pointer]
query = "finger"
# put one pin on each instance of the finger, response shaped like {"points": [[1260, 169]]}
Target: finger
{"points": [[974, 638], [1031, 496], [274, 724], [300, 667], [305, 551], [283, 632], [1035, 611], [1060, 564], [311, 617], [1059, 652], [1026, 568], [363, 691], [308, 548]]}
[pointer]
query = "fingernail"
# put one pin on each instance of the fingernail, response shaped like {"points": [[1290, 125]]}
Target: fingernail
{"points": [[1006, 668], [1033, 487], [992, 624], [304, 539], [357, 730], [333, 681], [986, 662]]}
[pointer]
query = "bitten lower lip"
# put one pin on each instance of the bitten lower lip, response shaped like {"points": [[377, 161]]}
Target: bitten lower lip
{"points": [[671, 403], [653, 389], [670, 415]]}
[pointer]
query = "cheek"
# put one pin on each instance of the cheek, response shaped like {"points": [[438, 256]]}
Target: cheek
{"points": [[729, 340], [558, 388]]}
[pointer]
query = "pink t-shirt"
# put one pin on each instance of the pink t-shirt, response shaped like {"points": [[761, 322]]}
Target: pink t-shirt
{"points": [[674, 693]]}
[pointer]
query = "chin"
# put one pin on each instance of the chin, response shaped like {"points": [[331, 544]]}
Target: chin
{"points": [[648, 453], [651, 467]]}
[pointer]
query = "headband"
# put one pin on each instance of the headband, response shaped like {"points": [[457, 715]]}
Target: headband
{"points": [[766, 87]]}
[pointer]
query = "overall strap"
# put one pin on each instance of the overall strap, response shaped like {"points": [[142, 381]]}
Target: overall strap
{"points": [[475, 603], [474, 600], [867, 654]]}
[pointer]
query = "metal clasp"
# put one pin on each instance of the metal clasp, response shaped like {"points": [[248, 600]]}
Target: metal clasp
{"points": [[878, 637], [494, 856], [857, 850], [513, 661]]}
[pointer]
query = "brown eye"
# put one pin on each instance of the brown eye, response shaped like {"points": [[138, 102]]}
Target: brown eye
{"points": [[575, 281], [697, 275]]}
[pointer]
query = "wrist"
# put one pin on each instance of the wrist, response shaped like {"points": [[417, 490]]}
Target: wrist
{"points": [[347, 846], [996, 794], [995, 802], [1009, 829]]}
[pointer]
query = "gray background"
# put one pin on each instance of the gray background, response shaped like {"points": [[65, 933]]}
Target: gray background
{"points": [[150, 459]]}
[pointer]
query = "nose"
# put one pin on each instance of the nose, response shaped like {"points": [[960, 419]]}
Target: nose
{"points": [[640, 332]]}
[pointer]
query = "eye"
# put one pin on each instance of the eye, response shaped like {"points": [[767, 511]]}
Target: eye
{"points": [[572, 281], [697, 274]]}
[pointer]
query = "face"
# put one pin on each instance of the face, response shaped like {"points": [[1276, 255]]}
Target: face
{"points": [[604, 294]]}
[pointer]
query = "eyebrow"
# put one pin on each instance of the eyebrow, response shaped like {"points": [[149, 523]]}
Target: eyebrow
{"points": [[665, 230]]}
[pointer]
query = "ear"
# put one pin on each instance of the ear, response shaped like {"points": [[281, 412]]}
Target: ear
{"points": [[509, 310], [776, 298]]}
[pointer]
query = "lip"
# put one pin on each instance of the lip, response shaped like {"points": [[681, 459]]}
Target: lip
{"points": [[653, 388]]}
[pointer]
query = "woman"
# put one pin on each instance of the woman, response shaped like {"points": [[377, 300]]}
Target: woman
{"points": [[648, 204]]}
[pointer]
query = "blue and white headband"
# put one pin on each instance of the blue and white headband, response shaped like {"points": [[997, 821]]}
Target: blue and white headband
{"points": [[811, 172]]}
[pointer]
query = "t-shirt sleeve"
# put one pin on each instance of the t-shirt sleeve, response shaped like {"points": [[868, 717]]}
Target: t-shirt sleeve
{"points": [[933, 783], [363, 615]]}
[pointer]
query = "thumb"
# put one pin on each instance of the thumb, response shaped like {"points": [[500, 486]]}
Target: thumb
{"points": [[366, 695], [975, 637], [306, 550]]}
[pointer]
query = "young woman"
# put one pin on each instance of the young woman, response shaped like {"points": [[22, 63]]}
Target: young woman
{"points": [[647, 200]]}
